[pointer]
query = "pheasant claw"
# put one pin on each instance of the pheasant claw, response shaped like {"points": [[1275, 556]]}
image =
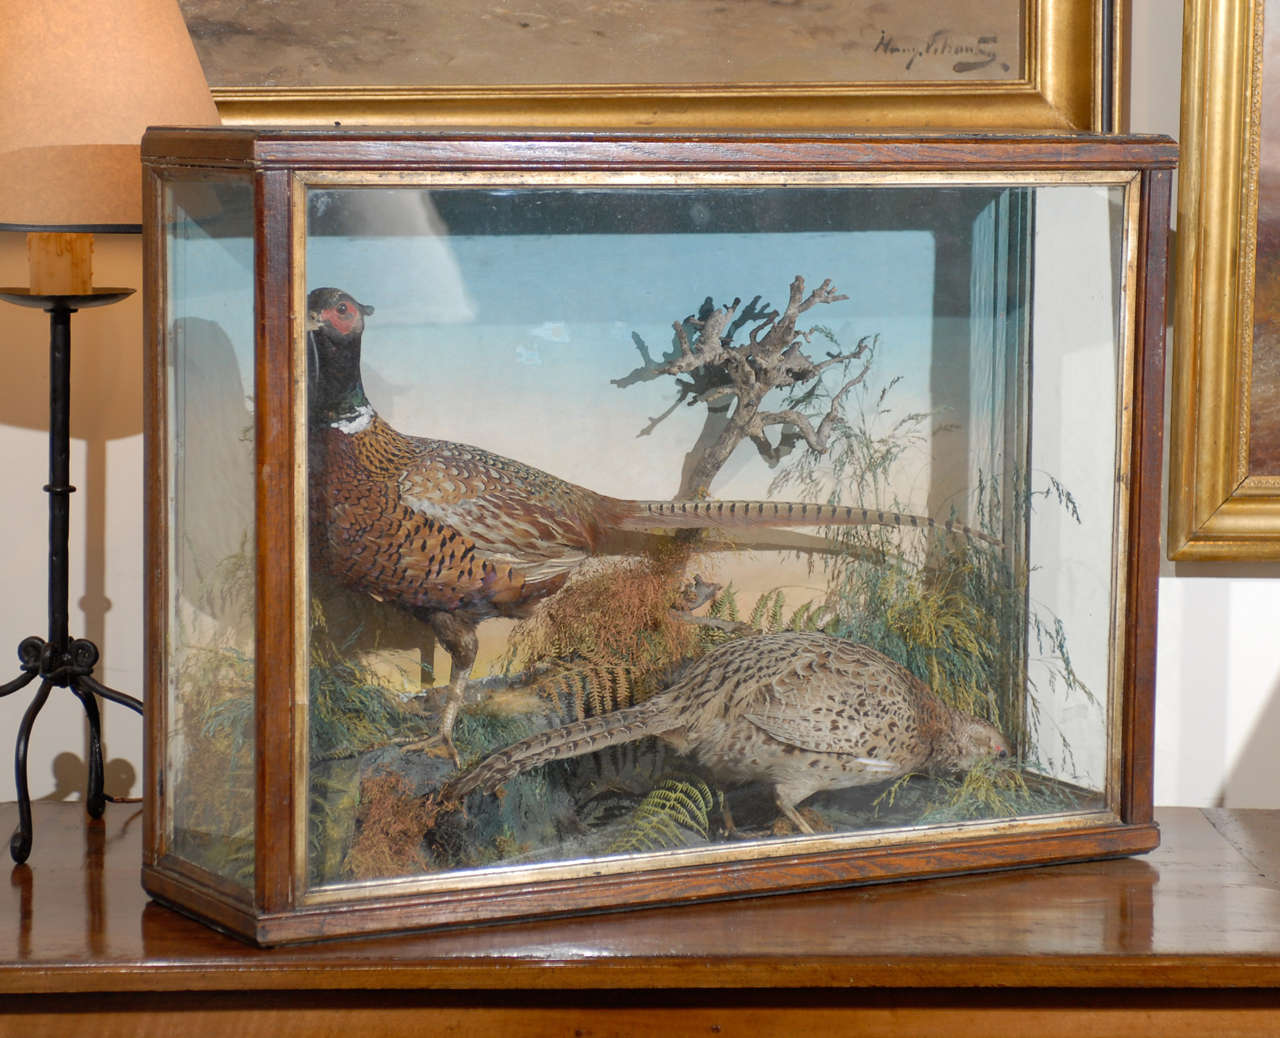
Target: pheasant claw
{"points": [[438, 745]]}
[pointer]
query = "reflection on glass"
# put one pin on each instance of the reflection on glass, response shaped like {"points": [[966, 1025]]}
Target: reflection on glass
{"points": [[654, 518], [209, 331]]}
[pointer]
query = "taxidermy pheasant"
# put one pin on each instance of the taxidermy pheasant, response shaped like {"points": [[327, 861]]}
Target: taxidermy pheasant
{"points": [[801, 711], [455, 534]]}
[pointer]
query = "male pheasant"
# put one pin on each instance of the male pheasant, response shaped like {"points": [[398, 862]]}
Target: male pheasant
{"points": [[801, 711], [455, 534]]}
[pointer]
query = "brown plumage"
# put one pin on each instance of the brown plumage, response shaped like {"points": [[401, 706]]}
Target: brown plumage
{"points": [[802, 711], [456, 534]]}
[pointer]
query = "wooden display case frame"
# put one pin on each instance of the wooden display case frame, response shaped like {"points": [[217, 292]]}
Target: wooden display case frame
{"points": [[276, 907]]}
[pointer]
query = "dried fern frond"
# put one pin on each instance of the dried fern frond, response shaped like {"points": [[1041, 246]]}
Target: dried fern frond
{"points": [[671, 812], [590, 690]]}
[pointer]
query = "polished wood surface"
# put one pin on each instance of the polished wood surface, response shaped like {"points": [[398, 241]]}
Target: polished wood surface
{"points": [[1186, 939]]}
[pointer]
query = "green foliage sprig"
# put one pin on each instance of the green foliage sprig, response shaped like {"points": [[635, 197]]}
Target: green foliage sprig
{"points": [[673, 811]]}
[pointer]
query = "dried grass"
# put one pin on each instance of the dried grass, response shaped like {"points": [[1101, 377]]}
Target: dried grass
{"points": [[390, 825]]}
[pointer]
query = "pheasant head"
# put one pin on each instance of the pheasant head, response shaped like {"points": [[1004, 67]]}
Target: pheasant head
{"points": [[335, 322], [966, 741]]}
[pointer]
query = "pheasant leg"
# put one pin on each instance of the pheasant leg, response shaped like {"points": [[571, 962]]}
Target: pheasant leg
{"points": [[794, 815], [453, 700], [459, 640]]}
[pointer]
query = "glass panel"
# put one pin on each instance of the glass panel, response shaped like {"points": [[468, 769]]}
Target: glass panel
{"points": [[209, 350], [696, 514], [1075, 394]]}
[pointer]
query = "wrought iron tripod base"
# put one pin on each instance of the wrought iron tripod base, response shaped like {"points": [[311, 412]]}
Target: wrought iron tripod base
{"points": [[70, 668], [58, 660]]}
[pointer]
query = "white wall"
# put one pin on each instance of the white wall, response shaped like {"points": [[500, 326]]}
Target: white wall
{"points": [[1218, 690], [1218, 681]]}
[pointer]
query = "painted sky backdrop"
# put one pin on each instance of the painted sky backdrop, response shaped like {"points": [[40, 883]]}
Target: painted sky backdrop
{"points": [[511, 342]]}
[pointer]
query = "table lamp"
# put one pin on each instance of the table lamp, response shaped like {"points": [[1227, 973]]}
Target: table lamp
{"points": [[81, 80]]}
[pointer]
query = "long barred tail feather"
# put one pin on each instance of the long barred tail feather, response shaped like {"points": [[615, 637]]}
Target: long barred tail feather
{"points": [[570, 740], [655, 515]]}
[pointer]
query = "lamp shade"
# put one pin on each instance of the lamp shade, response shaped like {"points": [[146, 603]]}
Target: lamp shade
{"points": [[80, 82]]}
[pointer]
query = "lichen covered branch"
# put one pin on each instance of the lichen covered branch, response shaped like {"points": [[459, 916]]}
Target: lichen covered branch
{"points": [[731, 379]]}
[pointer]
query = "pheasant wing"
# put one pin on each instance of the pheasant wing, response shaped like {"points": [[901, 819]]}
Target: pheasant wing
{"points": [[846, 703], [514, 514], [822, 734]]}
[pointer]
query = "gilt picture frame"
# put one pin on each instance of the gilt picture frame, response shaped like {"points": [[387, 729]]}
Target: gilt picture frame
{"points": [[1224, 472], [955, 65]]}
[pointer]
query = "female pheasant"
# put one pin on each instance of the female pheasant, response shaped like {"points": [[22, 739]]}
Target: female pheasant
{"points": [[455, 534], [801, 711]]}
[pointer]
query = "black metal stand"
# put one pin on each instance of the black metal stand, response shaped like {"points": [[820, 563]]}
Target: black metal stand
{"points": [[58, 660]]}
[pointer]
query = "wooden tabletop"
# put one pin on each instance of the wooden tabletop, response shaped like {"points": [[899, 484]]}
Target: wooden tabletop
{"points": [[1201, 913]]}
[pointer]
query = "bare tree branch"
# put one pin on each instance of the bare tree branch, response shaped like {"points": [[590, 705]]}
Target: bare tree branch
{"points": [[655, 422], [773, 454], [732, 380], [819, 438]]}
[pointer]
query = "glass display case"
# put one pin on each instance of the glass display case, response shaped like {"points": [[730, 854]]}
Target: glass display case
{"points": [[555, 522]]}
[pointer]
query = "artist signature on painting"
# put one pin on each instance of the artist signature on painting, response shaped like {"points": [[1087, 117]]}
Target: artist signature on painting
{"points": [[970, 53]]}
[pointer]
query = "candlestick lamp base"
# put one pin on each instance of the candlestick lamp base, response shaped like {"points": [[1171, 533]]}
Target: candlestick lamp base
{"points": [[59, 660]]}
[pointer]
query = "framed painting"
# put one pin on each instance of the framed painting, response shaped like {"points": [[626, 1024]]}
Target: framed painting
{"points": [[552, 522], [1224, 475], [759, 65]]}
